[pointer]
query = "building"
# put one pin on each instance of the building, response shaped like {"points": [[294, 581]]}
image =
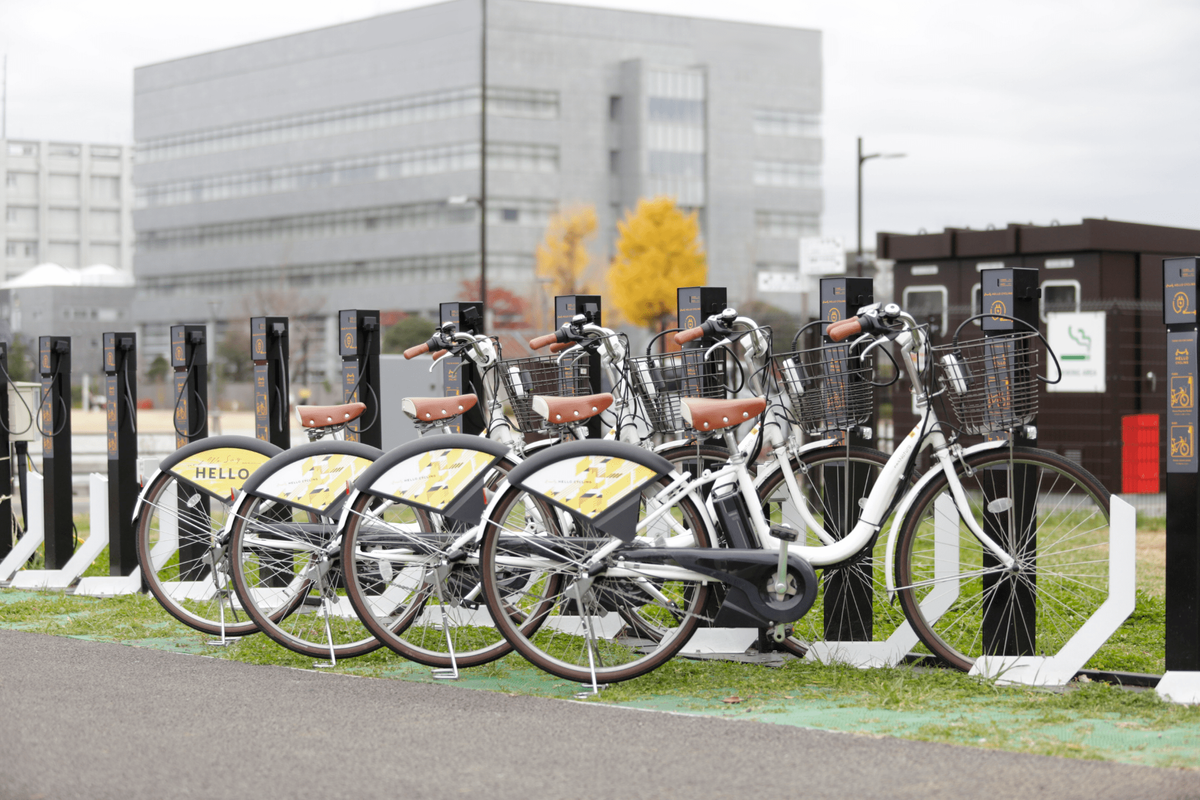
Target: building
{"points": [[84, 304], [1100, 266], [66, 203], [313, 172]]}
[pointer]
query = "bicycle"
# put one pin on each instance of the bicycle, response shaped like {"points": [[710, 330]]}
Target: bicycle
{"points": [[642, 532], [283, 545]]}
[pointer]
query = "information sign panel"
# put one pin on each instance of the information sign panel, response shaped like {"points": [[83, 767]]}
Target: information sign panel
{"points": [[1079, 341]]}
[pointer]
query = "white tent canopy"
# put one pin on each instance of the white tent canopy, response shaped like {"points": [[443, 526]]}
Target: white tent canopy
{"points": [[51, 274]]}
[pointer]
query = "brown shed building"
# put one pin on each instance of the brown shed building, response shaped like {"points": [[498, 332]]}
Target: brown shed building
{"points": [[1098, 265]]}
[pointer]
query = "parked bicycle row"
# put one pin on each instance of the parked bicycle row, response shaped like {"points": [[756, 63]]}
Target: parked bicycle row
{"points": [[732, 490]]}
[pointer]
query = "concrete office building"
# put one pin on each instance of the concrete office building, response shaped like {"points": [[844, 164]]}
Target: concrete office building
{"points": [[66, 203], [314, 170]]}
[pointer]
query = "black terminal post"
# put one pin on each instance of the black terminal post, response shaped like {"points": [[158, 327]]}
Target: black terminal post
{"points": [[566, 307], [848, 592], [6, 516], [54, 423], [1183, 490], [189, 357], [693, 305], [459, 375], [120, 395], [1009, 300], [269, 352], [358, 342]]}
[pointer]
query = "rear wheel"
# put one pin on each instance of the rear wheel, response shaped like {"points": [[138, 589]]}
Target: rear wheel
{"points": [[1046, 512], [574, 623], [406, 596]]}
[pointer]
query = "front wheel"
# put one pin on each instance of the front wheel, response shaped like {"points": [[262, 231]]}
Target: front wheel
{"points": [[575, 624], [1048, 513]]}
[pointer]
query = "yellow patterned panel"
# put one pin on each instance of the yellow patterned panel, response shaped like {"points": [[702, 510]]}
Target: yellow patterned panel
{"points": [[433, 478], [316, 481], [221, 471], [589, 484]]}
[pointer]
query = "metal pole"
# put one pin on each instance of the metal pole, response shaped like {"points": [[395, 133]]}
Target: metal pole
{"points": [[858, 253], [483, 293]]}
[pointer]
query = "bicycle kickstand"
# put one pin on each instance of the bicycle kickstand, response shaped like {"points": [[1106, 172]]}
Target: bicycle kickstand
{"points": [[437, 574]]}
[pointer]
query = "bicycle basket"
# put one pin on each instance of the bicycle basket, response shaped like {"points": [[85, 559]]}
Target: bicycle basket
{"points": [[991, 382], [829, 387], [660, 381], [545, 375]]}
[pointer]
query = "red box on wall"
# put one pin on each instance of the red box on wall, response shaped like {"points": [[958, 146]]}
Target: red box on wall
{"points": [[1139, 454]]}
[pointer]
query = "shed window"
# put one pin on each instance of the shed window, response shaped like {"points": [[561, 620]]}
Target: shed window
{"points": [[1059, 296], [927, 304]]}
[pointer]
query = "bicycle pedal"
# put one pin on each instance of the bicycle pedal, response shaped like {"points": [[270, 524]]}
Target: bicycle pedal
{"points": [[785, 532]]}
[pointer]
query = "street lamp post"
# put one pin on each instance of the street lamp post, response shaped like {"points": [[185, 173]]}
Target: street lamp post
{"points": [[858, 256], [483, 298]]}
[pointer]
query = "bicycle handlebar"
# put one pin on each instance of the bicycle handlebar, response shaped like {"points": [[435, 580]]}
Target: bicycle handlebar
{"points": [[689, 335], [843, 329], [541, 341], [558, 347], [416, 350]]}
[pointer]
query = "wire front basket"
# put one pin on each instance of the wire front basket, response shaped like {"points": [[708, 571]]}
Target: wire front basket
{"points": [[829, 387], [545, 375], [661, 381], [991, 383]]}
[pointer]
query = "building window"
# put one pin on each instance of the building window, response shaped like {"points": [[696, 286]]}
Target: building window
{"points": [[64, 221], [105, 153], [501, 101], [786, 122], [1060, 295], [104, 223], [105, 254], [22, 250], [64, 187], [676, 110], [505, 156], [105, 188], [510, 215], [64, 150], [21, 217], [675, 134], [786, 224], [26, 149], [24, 184], [614, 162], [927, 304], [64, 254], [530, 212], [614, 108], [787, 174]]}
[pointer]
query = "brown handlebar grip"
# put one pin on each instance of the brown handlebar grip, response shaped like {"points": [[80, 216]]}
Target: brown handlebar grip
{"points": [[558, 347], [690, 335], [542, 341], [416, 350], [438, 354], [845, 328]]}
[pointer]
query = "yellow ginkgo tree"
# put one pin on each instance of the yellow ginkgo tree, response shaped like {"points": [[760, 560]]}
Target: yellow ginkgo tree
{"points": [[658, 251], [562, 257]]}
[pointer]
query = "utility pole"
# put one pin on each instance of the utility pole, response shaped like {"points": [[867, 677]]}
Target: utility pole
{"points": [[483, 293], [858, 256]]}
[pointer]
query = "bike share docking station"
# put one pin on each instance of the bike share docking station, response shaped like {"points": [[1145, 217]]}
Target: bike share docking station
{"points": [[459, 375], [1009, 300], [269, 352], [120, 407], [1181, 681], [358, 344], [54, 423], [566, 308]]}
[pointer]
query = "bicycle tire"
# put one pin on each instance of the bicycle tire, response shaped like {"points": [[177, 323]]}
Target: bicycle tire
{"points": [[178, 526], [546, 624], [852, 602], [285, 551], [397, 603], [1050, 512]]}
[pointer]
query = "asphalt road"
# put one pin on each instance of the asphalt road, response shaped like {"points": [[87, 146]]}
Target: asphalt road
{"points": [[91, 720]]}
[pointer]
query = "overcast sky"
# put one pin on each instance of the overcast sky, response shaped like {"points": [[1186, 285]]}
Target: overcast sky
{"points": [[1017, 111]]}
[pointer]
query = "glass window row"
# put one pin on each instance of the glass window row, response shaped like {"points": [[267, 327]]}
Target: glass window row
{"points": [[452, 267], [686, 191], [502, 101], [681, 83], [63, 186], [788, 174], [686, 165], [675, 110], [680, 138], [503, 156], [786, 122], [786, 224], [518, 211]]}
